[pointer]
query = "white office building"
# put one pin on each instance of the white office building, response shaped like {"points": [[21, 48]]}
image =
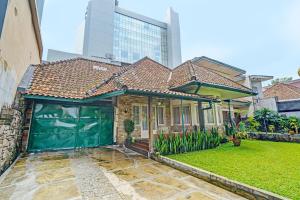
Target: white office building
{"points": [[121, 35]]}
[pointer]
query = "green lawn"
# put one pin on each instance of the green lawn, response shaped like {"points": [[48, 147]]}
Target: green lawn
{"points": [[268, 165]]}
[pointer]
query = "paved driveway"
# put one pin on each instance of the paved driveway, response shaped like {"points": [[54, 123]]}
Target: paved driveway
{"points": [[102, 174]]}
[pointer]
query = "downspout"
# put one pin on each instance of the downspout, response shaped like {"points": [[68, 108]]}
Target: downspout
{"points": [[182, 117]]}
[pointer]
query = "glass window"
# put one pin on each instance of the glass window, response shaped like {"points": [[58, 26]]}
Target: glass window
{"points": [[210, 116], [138, 39], [124, 54], [160, 115], [187, 114], [136, 115], [176, 115]]}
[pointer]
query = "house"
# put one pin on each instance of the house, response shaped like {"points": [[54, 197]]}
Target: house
{"points": [[83, 103], [283, 98], [19, 35]]}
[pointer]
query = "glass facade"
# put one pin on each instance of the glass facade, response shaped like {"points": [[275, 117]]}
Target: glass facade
{"points": [[135, 39]]}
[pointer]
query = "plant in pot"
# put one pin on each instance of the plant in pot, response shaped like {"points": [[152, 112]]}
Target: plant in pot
{"points": [[129, 128], [232, 133]]}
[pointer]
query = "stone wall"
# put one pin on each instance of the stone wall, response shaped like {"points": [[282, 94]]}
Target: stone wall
{"points": [[124, 106], [276, 137], [11, 126]]}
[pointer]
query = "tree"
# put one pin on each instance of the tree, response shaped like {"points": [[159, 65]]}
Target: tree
{"points": [[281, 80]]}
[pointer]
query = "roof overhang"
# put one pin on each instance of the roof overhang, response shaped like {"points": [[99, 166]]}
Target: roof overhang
{"points": [[218, 67], [118, 93], [216, 91], [238, 104], [260, 77]]}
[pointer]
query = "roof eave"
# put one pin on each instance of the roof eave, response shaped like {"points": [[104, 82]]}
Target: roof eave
{"points": [[198, 83]]}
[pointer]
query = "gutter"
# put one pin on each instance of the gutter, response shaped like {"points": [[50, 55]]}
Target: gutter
{"points": [[118, 93]]}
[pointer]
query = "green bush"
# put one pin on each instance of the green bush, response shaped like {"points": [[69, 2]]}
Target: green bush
{"points": [[194, 141], [269, 121], [129, 127], [294, 124], [252, 124]]}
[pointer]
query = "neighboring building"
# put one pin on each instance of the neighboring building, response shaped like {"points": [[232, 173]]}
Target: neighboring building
{"points": [[20, 44], [40, 9], [283, 98], [245, 106], [115, 33], [295, 82], [83, 103]]}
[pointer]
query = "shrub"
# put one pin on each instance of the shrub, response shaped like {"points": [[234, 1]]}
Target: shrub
{"points": [[242, 135], [294, 124], [194, 141], [271, 128], [129, 127], [242, 127], [252, 124]]}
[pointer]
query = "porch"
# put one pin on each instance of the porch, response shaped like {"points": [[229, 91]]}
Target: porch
{"points": [[167, 115]]}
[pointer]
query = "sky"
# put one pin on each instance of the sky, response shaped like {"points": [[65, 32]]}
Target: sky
{"points": [[261, 37]]}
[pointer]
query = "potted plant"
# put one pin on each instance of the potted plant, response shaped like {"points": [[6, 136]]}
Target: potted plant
{"points": [[232, 133], [129, 128]]}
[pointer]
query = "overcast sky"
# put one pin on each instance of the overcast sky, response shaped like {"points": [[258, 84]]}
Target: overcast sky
{"points": [[262, 37]]}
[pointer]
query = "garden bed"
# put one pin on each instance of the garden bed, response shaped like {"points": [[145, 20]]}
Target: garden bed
{"points": [[271, 166]]}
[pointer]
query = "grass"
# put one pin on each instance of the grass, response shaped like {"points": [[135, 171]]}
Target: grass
{"points": [[272, 166]]}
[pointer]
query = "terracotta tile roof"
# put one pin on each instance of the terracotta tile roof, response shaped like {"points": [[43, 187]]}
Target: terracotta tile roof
{"points": [[188, 72], [81, 78], [145, 75], [69, 78], [283, 91]]}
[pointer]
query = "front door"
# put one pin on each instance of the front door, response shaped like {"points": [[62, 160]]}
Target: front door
{"points": [[145, 123]]}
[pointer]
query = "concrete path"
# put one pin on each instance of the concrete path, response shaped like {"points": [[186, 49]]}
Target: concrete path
{"points": [[102, 173]]}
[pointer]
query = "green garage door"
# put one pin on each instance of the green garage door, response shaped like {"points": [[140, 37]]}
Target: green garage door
{"points": [[56, 126]]}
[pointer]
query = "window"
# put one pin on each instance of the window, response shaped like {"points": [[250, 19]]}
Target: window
{"points": [[160, 115], [136, 115], [3, 7], [124, 54], [220, 115], [176, 115], [210, 116], [186, 114]]}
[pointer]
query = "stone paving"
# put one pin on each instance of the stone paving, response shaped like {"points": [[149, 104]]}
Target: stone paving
{"points": [[102, 173]]}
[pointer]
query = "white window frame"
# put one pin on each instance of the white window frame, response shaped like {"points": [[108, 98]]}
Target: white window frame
{"points": [[180, 116], [213, 115], [139, 105], [132, 114], [219, 114], [164, 115]]}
